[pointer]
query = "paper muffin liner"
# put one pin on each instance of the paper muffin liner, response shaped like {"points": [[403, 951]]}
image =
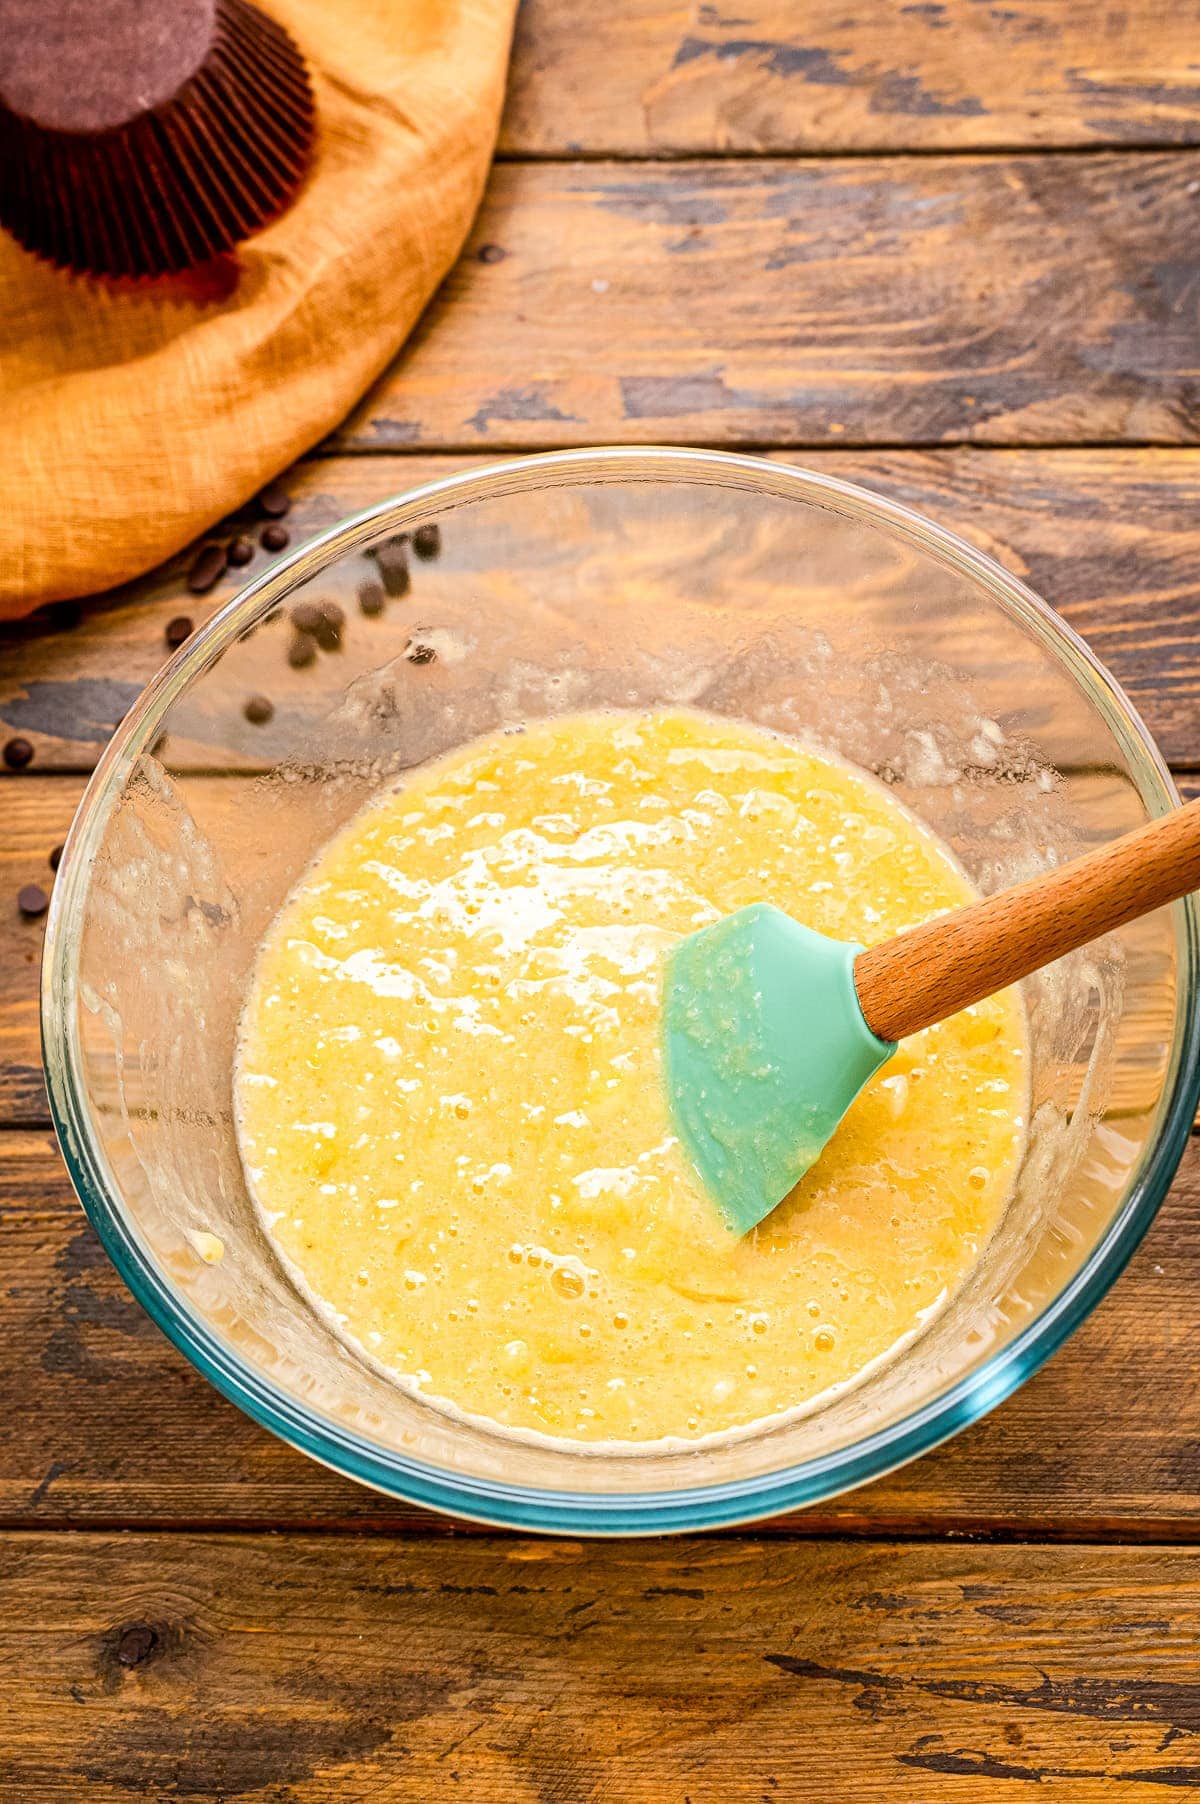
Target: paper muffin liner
{"points": [[177, 185]]}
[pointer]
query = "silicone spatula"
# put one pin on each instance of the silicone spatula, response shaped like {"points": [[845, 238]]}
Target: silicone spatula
{"points": [[771, 1030]]}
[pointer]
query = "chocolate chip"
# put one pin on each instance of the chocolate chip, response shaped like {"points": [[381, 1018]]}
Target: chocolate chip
{"points": [[301, 652], [307, 616], [18, 753], [274, 501], [241, 550], [32, 900], [393, 567], [328, 634], [491, 253], [274, 538], [178, 630], [417, 652], [371, 598], [427, 542], [259, 710], [208, 568], [55, 858]]}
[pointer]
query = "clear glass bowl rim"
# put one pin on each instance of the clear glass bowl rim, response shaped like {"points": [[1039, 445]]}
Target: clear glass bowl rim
{"points": [[587, 1512]]}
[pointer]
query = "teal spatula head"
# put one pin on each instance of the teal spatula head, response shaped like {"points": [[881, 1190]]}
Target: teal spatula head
{"points": [[765, 1049]]}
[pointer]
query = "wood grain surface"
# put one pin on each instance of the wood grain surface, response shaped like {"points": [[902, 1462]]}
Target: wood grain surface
{"points": [[102, 1422], [1110, 537], [916, 300], [503, 1672], [36, 816], [677, 77]]}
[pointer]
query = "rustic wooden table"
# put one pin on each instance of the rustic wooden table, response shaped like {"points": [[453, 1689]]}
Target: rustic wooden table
{"points": [[948, 249]]}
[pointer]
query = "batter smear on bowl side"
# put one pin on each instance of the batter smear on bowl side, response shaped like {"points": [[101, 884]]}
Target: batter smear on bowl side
{"points": [[451, 1107]]}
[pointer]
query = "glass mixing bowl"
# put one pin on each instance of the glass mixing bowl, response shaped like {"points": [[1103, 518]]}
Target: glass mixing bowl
{"points": [[620, 578]]}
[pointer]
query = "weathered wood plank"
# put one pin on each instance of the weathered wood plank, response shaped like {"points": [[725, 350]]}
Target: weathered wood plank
{"points": [[1020, 300], [102, 1422], [36, 816], [505, 1672], [653, 77], [1110, 537]]}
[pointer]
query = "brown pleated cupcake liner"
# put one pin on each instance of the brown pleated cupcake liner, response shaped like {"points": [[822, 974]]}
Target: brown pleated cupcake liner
{"points": [[175, 186]]}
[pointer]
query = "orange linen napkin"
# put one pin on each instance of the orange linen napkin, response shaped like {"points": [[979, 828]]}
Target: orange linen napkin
{"points": [[134, 419]]}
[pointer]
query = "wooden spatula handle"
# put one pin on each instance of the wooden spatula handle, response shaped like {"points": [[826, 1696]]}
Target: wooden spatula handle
{"points": [[930, 972]]}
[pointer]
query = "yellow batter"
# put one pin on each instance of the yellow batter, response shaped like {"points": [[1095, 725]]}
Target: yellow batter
{"points": [[451, 1108]]}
